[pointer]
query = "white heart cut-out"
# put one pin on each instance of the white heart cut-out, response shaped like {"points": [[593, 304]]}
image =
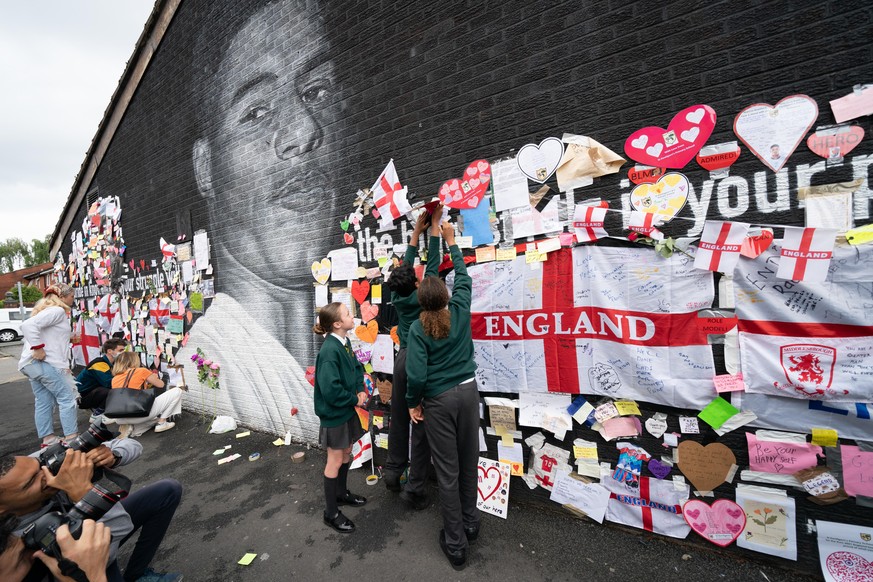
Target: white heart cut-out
{"points": [[655, 150], [640, 142], [471, 171], [690, 135], [482, 166], [473, 202], [457, 196], [474, 182], [695, 116], [539, 162]]}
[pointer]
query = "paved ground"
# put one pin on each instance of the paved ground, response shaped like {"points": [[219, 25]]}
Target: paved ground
{"points": [[273, 508]]}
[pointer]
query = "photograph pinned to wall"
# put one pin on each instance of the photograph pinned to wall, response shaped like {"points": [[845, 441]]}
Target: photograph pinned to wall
{"points": [[492, 493], [770, 521], [207, 288], [468, 190], [845, 551], [674, 147], [835, 143], [509, 185], [539, 162], [585, 159], [640, 174], [773, 132], [665, 198], [718, 158]]}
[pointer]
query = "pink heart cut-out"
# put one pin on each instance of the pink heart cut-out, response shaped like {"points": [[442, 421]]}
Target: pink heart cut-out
{"points": [[677, 145], [368, 311], [720, 523], [468, 191]]}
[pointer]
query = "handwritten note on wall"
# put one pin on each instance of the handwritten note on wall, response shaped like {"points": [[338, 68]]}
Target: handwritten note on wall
{"points": [[857, 471], [779, 457]]}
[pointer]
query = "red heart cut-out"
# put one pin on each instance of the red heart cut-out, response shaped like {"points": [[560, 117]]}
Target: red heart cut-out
{"points": [[676, 146], [467, 191], [483, 479], [755, 245], [835, 143], [360, 290]]}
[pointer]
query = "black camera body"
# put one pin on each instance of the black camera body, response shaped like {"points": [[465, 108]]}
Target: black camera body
{"points": [[53, 456]]}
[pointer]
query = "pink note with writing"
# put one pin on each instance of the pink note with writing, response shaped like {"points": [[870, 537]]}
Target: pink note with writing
{"points": [[781, 458], [857, 471], [729, 383], [855, 104]]}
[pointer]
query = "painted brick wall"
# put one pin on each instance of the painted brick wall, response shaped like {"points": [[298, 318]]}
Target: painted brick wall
{"points": [[434, 85]]}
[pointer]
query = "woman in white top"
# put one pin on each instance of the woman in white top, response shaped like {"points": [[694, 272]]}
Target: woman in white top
{"points": [[45, 360]]}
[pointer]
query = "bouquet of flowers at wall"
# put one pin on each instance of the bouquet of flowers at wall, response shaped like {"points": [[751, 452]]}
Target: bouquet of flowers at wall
{"points": [[208, 373]]}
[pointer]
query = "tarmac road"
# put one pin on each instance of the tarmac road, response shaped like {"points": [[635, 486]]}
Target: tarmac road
{"points": [[273, 507]]}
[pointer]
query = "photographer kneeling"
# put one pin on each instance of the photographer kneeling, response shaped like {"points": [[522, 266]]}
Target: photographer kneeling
{"points": [[32, 487]]}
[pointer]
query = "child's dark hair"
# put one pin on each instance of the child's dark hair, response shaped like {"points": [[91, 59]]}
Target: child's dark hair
{"points": [[114, 344], [327, 316], [402, 280], [433, 298]]}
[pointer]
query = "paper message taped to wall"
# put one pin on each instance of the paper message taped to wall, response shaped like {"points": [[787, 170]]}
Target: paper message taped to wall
{"points": [[589, 498], [492, 493], [857, 471], [783, 458]]}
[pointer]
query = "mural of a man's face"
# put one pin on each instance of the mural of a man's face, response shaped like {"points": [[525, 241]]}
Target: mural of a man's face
{"points": [[262, 167]]}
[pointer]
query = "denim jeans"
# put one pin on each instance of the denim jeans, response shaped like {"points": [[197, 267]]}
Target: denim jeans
{"points": [[51, 388]]}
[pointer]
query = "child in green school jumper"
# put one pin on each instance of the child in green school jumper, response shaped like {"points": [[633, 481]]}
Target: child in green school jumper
{"points": [[404, 297], [441, 384], [339, 387]]}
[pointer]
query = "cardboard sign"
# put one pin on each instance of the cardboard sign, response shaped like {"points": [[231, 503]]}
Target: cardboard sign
{"points": [[706, 467], [721, 523], [470, 189], [675, 147], [492, 489]]}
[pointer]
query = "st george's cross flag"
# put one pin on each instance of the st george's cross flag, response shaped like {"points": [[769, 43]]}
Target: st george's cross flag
{"points": [[88, 348], [644, 223], [594, 320], [719, 246], [389, 196], [588, 223], [806, 253]]}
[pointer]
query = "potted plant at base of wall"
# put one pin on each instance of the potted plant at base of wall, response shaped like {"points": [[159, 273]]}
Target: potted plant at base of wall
{"points": [[208, 373]]}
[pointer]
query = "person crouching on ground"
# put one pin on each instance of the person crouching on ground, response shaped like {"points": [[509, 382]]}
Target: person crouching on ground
{"points": [[95, 381], [339, 387], [127, 373], [441, 383]]}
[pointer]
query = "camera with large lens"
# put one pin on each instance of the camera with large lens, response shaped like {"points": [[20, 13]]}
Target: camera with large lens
{"points": [[53, 456], [42, 534]]}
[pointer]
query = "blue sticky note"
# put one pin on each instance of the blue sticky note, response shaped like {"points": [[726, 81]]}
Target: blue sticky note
{"points": [[476, 223]]}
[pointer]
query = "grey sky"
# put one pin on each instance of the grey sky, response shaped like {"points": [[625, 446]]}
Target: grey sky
{"points": [[60, 62]]}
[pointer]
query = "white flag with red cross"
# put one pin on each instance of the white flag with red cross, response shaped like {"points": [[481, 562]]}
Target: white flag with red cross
{"points": [[805, 339], [362, 451], [719, 247], [644, 223], [588, 223], [594, 320], [107, 318], [389, 196], [806, 253], [88, 348]]}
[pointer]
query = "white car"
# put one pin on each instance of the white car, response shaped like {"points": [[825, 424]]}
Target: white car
{"points": [[10, 323]]}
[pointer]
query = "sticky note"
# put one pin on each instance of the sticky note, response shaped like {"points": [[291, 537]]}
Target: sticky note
{"points": [[506, 254], [506, 439], [534, 256], [689, 425], [824, 437], [729, 383], [243, 434], [626, 407], [717, 412], [585, 452], [860, 235], [247, 559], [375, 294], [279, 442], [485, 254]]}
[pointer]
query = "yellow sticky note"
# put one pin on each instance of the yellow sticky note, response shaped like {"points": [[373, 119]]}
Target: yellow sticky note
{"points": [[243, 434], [279, 442], [507, 439], [247, 559], [375, 294], [506, 254], [534, 256], [485, 254], [585, 452], [368, 368], [860, 235], [824, 437], [626, 407]]}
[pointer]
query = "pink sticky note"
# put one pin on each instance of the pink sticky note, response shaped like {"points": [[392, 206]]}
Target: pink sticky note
{"points": [[729, 383], [567, 239], [779, 457], [857, 471], [620, 426], [856, 104]]}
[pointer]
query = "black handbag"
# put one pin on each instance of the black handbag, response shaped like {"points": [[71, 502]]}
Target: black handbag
{"points": [[129, 402]]}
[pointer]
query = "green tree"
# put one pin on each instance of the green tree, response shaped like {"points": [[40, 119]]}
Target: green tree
{"points": [[17, 254], [39, 250], [30, 293]]}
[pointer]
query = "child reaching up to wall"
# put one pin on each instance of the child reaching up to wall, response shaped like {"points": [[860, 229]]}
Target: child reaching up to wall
{"points": [[339, 387]]}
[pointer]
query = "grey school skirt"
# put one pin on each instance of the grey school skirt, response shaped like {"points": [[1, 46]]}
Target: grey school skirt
{"points": [[342, 436]]}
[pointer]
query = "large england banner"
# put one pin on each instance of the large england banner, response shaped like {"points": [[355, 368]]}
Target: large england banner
{"points": [[594, 320], [805, 340]]}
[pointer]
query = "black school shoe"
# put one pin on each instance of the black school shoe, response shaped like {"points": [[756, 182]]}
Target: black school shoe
{"points": [[392, 483], [415, 501], [350, 498], [340, 523], [472, 533], [457, 559]]}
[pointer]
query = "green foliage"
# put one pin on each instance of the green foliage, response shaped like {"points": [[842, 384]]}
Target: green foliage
{"points": [[30, 293], [17, 254]]}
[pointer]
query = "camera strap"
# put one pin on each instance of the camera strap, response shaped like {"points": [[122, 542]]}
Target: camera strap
{"points": [[72, 570], [123, 483]]}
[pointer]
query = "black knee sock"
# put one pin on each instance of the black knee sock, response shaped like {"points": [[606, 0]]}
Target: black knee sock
{"points": [[331, 508], [342, 485]]}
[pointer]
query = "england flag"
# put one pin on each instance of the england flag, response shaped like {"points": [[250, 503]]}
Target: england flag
{"points": [[719, 247], [389, 196], [588, 223], [806, 253]]}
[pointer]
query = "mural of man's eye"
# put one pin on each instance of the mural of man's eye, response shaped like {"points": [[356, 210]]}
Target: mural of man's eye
{"points": [[254, 114], [316, 92]]}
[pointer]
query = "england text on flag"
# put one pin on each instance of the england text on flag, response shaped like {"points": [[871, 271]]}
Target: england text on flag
{"points": [[588, 222], [806, 253]]}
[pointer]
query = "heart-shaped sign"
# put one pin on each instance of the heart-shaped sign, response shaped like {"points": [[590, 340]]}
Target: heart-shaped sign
{"points": [[675, 146], [721, 523], [348, 238], [849, 567], [321, 270], [644, 174], [836, 142], [706, 467], [719, 156], [659, 469], [489, 482], [310, 375], [773, 132], [539, 162], [368, 311], [656, 427], [360, 290], [666, 197], [756, 244], [467, 191], [344, 225], [368, 333]]}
